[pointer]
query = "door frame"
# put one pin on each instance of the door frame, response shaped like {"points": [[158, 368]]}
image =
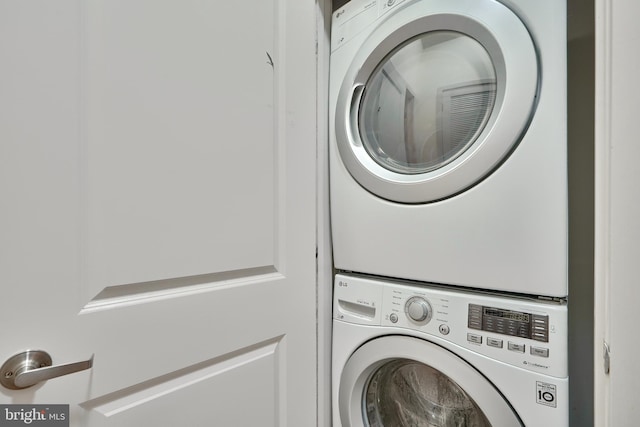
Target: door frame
{"points": [[617, 206], [324, 279]]}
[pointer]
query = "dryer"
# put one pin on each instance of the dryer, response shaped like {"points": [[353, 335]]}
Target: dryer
{"points": [[448, 142], [406, 355]]}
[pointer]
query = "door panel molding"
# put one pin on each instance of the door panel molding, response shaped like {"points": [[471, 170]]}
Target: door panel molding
{"points": [[161, 136], [113, 296], [148, 400]]}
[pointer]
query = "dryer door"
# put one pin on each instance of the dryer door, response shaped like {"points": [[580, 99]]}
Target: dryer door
{"points": [[440, 93], [400, 381]]}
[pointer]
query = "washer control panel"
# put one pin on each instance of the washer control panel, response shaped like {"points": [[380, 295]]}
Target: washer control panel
{"points": [[521, 332], [509, 322]]}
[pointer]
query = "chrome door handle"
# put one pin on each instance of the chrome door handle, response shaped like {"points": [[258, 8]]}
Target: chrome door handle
{"points": [[33, 366]]}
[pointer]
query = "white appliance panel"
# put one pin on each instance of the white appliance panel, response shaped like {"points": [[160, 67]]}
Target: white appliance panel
{"points": [[506, 232], [533, 384]]}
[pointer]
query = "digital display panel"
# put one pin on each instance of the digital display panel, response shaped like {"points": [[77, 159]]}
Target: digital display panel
{"points": [[507, 314]]}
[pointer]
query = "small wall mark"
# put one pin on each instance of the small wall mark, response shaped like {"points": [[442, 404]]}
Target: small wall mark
{"points": [[270, 60]]}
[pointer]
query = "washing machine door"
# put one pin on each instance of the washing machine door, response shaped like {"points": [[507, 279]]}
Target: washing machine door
{"points": [[400, 381], [437, 97]]}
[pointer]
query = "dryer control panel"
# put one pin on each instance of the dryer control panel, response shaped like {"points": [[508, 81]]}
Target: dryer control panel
{"points": [[522, 332], [355, 16]]}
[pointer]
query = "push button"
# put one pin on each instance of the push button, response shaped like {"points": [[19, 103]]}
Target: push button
{"points": [[494, 342], [516, 347], [539, 351], [476, 339]]}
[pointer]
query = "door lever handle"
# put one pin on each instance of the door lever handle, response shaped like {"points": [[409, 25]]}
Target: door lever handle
{"points": [[33, 366]]}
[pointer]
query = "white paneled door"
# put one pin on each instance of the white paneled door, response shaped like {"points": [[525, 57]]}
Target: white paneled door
{"points": [[157, 208]]}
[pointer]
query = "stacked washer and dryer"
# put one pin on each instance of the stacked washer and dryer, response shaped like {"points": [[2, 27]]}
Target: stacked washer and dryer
{"points": [[448, 175]]}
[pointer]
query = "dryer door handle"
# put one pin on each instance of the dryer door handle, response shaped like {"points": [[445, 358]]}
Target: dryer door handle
{"points": [[352, 123]]}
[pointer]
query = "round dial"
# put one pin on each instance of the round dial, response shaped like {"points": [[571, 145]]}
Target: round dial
{"points": [[418, 309]]}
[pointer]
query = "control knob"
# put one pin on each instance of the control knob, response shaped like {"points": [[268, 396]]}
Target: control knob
{"points": [[418, 309]]}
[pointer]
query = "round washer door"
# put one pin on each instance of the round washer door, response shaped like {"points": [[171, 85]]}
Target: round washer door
{"points": [[399, 381], [437, 97]]}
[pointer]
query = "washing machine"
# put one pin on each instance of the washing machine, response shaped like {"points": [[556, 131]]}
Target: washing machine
{"points": [[448, 142], [407, 355]]}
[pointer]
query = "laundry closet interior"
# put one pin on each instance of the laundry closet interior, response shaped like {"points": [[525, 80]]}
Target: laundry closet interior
{"points": [[460, 168]]}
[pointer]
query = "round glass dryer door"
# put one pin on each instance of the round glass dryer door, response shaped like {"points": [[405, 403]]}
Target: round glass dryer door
{"points": [[436, 99], [401, 381], [427, 102]]}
